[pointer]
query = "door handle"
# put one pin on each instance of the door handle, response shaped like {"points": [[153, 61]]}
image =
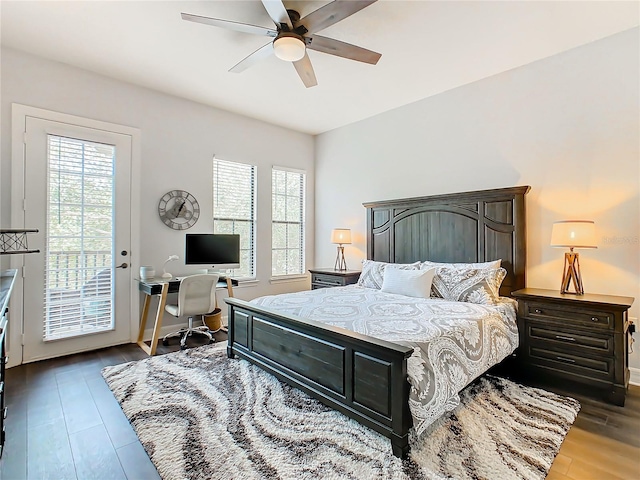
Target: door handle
{"points": [[123, 265]]}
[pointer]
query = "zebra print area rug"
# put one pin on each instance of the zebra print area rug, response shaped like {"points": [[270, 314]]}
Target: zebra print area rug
{"points": [[200, 415]]}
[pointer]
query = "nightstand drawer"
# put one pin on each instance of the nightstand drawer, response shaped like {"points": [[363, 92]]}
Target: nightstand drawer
{"points": [[569, 315], [597, 367], [327, 280], [594, 343], [328, 277]]}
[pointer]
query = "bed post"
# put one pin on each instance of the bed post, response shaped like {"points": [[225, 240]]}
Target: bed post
{"points": [[400, 413]]}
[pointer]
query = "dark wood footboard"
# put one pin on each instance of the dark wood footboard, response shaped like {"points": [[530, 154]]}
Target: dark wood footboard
{"points": [[363, 377]]}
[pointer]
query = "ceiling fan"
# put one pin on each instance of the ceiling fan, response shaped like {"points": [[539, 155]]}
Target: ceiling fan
{"points": [[294, 35]]}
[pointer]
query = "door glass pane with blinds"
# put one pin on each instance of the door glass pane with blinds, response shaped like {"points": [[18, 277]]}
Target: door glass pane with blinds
{"points": [[288, 191], [234, 192], [79, 238]]}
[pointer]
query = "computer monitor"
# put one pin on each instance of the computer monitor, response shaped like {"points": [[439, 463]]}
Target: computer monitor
{"points": [[218, 251]]}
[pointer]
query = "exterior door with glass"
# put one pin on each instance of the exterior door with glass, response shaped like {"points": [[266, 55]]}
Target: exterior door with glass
{"points": [[77, 290]]}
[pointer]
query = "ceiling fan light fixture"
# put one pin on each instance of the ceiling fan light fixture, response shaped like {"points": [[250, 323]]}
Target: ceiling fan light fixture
{"points": [[289, 47]]}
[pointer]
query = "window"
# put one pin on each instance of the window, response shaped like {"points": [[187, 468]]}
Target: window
{"points": [[287, 227], [80, 238], [234, 193]]}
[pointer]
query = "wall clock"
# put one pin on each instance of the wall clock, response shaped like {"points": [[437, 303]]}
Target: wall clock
{"points": [[178, 209]]}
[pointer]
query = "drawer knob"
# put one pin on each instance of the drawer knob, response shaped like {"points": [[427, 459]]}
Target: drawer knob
{"points": [[538, 311], [595, 319], [563, 359], [568, 339]]}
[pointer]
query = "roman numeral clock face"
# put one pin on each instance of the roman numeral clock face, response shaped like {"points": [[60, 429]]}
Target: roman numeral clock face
{"points": [[178, 209]]}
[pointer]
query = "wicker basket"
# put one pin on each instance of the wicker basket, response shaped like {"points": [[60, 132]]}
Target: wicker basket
{"points": [[213, 320]]}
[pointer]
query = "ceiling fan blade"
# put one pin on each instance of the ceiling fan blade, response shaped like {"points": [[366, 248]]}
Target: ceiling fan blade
{"points": [[277, 12], [305, 70], [342, 49], [255, 57], [332, 13], [239, 27]]}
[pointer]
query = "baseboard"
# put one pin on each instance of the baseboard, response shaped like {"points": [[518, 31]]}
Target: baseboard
{"points": [[635, 376]]}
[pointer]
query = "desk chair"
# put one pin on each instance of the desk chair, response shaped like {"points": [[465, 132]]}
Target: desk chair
{"points": [[196, 296]]}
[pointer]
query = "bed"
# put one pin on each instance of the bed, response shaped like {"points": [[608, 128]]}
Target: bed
{"points": [[358, 374]]}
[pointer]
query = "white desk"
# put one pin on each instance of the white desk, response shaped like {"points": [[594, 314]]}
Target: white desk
{"points": [[162, 287]]}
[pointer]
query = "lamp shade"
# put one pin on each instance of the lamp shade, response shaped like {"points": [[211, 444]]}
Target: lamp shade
{"points": [[290, 48], [574, 234], [341, 235]]}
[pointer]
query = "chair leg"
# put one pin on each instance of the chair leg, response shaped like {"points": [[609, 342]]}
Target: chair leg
{"points": [[183, 340], [203, 331], [189, 331], [179, 333]]}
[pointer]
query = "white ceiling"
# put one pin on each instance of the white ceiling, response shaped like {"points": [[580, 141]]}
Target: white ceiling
{"points": [[427, 47]]}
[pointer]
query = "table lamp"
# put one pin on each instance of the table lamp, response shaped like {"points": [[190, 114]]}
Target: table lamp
{"points": [[341, 236], [573, 234], [166, 275]]}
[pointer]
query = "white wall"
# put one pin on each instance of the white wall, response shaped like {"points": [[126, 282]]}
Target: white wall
{"points": [[179, 139], [567, 125]]}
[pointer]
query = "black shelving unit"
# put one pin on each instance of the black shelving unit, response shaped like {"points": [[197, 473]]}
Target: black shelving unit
{"points": [[7, 279], [14, 241]]}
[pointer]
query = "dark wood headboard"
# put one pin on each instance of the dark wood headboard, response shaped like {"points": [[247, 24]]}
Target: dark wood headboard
{"points": [[459, 227]]}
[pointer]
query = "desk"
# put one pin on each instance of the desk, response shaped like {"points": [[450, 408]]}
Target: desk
{"points": [[162, 287]]}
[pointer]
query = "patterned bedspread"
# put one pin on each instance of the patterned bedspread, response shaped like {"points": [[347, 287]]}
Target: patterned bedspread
{"points": [[453, 342]]}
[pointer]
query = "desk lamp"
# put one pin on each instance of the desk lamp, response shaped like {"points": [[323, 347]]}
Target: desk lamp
{"points": [[166, 275], [573, 234], [341, 236]]}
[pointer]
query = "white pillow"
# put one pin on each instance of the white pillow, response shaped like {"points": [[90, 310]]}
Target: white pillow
{"points": [[412, 283], [372, 274]]}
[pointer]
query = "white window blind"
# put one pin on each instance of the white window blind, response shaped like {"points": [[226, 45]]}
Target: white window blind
{"points": [[287, 228], [79, 238], [234, 193]]}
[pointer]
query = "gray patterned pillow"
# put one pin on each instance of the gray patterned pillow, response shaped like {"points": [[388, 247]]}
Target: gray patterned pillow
{"points": [[473, 285], [372, 275]]}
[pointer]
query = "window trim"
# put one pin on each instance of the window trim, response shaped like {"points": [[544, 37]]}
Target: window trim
{"points": [[289, 278]]}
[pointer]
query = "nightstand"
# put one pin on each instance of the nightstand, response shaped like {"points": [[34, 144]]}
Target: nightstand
{"points": [[328, 277], [580, 338]]}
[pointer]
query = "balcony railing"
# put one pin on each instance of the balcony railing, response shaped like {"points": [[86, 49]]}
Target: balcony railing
{"points": [[78, 293], [72, 269]]}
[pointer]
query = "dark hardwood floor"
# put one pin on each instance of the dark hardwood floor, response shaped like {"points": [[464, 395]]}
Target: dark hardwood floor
{"points": [[64, 423]]}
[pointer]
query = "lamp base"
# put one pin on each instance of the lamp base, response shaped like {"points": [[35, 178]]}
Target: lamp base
{"points": [[166, 276], [571, 273], [341, 263]]}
